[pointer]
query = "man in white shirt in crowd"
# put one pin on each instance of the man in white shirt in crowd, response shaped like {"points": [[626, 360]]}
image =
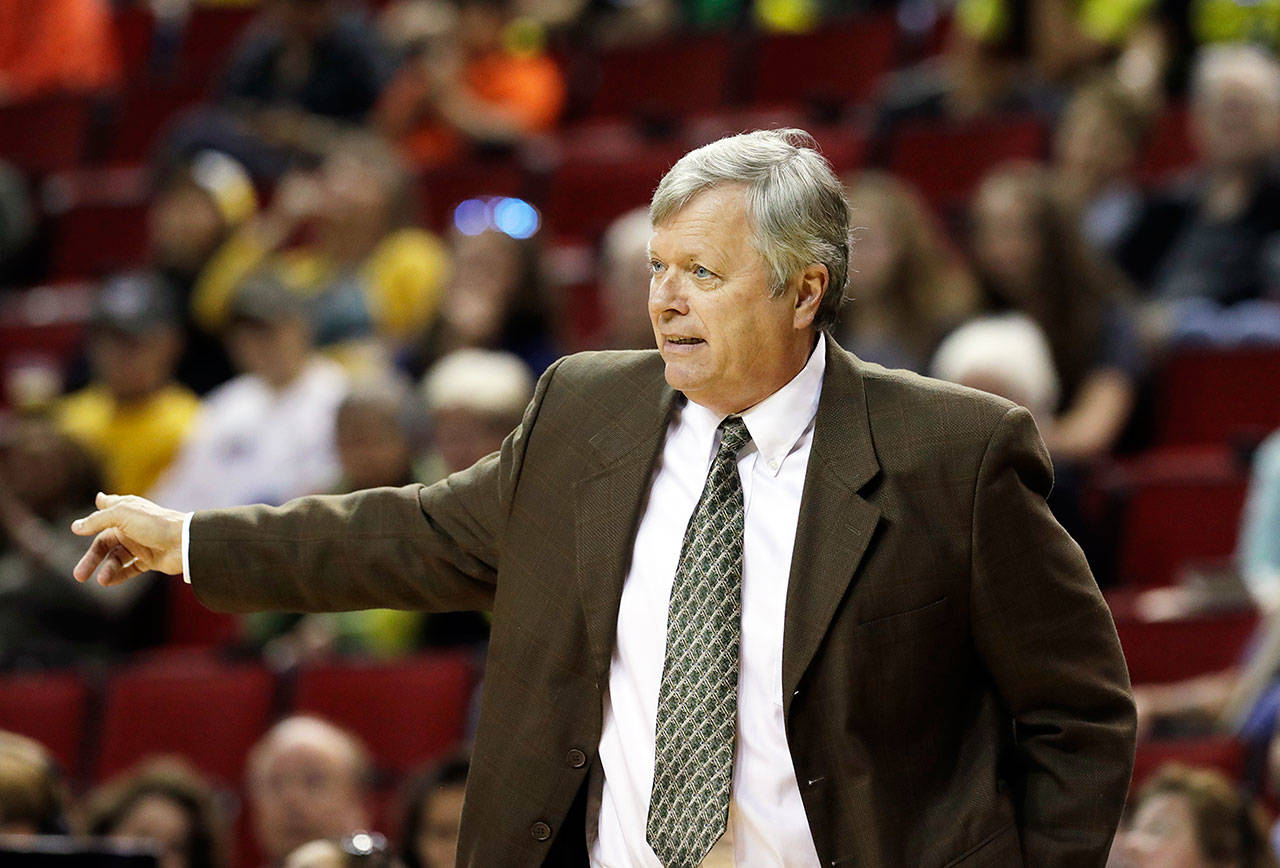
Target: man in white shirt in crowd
{"points": [[267, 436]]}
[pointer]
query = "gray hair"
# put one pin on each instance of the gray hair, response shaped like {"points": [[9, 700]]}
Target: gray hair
{"points": [[795, 202], [1216, 63]]}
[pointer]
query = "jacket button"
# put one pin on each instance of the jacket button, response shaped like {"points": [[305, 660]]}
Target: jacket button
{"points": [[540, 831], [575, 758]]}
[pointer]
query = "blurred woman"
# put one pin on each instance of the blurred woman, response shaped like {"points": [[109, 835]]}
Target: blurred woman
{"points": [[1192, 818], [33, 799], [433, 813], [166, 803], [906, 287], [368, 276], [1030, 258]]}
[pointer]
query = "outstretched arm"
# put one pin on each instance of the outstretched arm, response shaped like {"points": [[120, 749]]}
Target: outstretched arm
{"points": [[433, 548]]}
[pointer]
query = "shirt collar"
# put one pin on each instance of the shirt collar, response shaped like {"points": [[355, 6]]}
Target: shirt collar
{"points": [[776, 423]]}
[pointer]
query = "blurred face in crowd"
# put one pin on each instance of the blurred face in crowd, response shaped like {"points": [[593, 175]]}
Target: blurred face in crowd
{"points": [[1006, 241], [356, 194], [275, 351], [437, 844], [875, 253], [1162, 835], [486, 279], [625, 281], [302, 789], [1092, 147], [372, 446], [463, 436], [726, 342], [133, 366], [163, 822], [38, 464], [1236, 122], [185, 228]]}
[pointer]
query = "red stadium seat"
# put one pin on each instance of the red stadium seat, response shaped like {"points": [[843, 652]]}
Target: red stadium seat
{"points": [[211, 35], [1168, 149], [1176, 506], [583, 197], [681, 74], [208, 712], [49, 708], [838, 63], [143, 115], [45, 135], [1163, 651], [407, 712], [946, 160], [1211, 396], [192, 625], [99, 221], [1224, 753]]}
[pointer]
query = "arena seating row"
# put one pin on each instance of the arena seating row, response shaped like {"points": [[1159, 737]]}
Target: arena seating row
{"points": [[410, 711]]}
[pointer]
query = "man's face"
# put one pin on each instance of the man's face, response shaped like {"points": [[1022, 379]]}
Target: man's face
{"points": [[1235, 124], [727, 344], [133, 366], [302, 792]]}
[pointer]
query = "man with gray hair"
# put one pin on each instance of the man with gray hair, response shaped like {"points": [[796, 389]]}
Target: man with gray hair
{"points": [[755, 602]]}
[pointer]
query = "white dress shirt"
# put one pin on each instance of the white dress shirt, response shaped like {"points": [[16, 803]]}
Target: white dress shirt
{"points": [[767, 823]]}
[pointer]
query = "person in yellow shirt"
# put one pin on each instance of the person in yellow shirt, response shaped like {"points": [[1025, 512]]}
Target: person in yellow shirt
{"points": [[132, 417], [369, 277]]}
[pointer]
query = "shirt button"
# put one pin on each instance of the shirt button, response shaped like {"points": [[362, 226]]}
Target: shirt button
{"points": [[575, 758], [540, 831], [773, 465]]}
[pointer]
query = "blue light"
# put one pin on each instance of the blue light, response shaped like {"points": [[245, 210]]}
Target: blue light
{"points": [[515, 217], [471, 216]]}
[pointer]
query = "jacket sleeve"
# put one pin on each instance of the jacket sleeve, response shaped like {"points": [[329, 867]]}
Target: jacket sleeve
{"points": [[1046, 636], [430, 548]]}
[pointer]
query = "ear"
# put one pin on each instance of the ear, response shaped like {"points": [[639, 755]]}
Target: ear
{"points": [[811, 287]]}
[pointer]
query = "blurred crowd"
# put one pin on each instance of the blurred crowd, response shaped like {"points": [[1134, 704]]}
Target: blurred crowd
{"points": [[297, 329]]}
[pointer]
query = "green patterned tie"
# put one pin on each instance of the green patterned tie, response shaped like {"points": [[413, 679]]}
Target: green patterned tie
{"points": [[698, 700]]}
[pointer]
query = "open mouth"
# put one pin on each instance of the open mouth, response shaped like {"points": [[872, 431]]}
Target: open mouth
{"points": [[685, 341]]}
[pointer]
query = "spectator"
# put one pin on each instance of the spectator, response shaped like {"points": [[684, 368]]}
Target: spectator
{"points": [[305, 72], [906, 287], [475, 398], [1259, 546], [1213, 240], [266, 436], [166, 803], [307, 780], [495, 300], [366, 273], [1006, 355], [132, 417], [1030, 258], [1095, 147], [1192, 817], [56, 46], [1030, 52], [200, 203], [46, 617], [477, 75], [17, 227], [33, 799], [433, 814], [624, 282]]}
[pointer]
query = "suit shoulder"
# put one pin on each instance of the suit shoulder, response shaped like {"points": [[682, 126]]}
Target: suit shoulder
{"points": [[908, 408], [607, 369]]}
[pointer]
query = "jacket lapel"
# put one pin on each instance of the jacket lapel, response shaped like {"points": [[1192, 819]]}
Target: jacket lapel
{"points": [[836, 524], [607, 503]]}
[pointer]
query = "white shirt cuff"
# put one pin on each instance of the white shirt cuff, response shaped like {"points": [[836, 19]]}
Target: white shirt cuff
{"points": [[186, 548]]}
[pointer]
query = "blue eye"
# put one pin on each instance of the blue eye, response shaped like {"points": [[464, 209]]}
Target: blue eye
{"points": [[655, 266], [701, 271]]}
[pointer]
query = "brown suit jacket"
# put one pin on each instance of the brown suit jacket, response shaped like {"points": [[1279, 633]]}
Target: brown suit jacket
{"points": [[953, 687]]}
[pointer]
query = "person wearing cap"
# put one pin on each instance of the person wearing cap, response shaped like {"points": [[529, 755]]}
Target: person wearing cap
{"points": [[268, 434], [133, 416]]}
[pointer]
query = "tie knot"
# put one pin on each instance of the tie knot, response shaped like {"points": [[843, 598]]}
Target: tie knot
{"points": [[735, 435]]}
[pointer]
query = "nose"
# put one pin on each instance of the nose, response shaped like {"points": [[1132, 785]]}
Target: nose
{"points": [[666, 295]]}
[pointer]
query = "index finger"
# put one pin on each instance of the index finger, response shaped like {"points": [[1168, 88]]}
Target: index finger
{"points": [[95, 522]]}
